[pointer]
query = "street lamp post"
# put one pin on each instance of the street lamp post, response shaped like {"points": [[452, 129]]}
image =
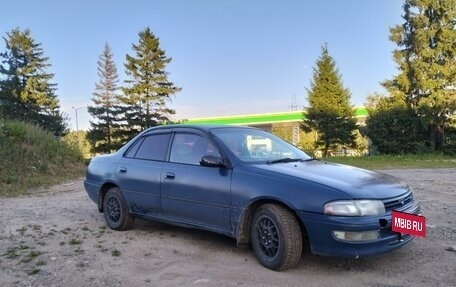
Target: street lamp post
{"points": [[76, 112]]}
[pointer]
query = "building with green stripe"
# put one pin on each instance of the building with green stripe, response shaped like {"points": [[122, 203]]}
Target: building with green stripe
{"points": [[265, 119], [271, 121]]}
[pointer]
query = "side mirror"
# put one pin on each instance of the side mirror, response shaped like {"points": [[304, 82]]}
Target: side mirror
{"points": [[212, 161]]}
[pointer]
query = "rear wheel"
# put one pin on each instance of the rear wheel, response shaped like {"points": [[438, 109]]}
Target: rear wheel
{"points": [[115, 210], [276, 237]]}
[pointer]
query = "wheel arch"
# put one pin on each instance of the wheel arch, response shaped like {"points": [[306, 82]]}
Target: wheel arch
{"points": [[103, 190], [245, 222]]}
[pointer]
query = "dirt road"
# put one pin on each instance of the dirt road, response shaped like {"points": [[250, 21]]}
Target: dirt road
{"points": [[58, 238]]}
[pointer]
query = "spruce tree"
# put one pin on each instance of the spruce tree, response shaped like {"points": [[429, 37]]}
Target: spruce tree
{"points": [[26, 90], [426, 59], [103, 132], [148, 89], [330, 112]]}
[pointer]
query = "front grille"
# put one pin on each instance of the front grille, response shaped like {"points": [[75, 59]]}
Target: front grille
{"points": [[399, 201]]}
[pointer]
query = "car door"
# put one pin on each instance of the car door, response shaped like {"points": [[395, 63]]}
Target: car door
{"points": [[192, 193], [139, 173]]}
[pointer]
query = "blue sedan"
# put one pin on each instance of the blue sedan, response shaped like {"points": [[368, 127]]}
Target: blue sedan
{"points": [[253, 186]]}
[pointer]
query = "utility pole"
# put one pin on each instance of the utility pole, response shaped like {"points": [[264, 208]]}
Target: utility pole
{"points": [[76, 112], [77, 126], [295, 126]]}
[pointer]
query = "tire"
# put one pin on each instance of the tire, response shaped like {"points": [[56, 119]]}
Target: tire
{"points": [[115, 210], [276, 237]]}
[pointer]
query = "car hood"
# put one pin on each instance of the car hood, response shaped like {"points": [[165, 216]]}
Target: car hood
{"points": [[355, 182]]}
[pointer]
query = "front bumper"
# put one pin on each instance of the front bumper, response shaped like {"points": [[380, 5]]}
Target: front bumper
{"points": [[320, 229]]}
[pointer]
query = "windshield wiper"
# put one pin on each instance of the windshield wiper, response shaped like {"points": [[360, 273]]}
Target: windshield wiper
{"points": [[284, 160]]}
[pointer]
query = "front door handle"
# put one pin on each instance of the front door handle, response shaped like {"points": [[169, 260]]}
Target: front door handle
{"points": [[170, 175], [122, 169]]}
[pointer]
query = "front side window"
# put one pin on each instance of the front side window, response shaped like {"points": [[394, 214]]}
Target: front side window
{"points": [[251, 145], [190, 148], [154, 147]]}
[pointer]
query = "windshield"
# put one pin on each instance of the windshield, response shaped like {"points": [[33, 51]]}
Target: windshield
{"points": [[251, 145]]}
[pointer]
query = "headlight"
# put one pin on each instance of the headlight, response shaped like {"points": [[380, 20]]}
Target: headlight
{"points": [[355, 207]]}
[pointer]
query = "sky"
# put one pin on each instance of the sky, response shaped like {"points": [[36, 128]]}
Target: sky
{"points": [[230, 57]]}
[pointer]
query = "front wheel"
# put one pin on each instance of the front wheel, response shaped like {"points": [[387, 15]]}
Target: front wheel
{"points": [[276, 237], [115, 210]]}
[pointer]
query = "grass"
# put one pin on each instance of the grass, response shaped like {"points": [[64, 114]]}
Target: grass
{"points": [[25, 255], [25, 251], [34, 271], [22, 230], [74, 241], [11, 253], [31, 158], [30, 256], [398, 161], [40, 263], [115, 253]]}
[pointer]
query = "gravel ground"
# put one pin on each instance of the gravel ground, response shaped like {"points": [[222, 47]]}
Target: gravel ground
{"points": [[58, 238]]}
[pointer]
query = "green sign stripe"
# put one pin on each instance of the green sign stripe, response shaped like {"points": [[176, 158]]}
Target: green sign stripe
{"points": [[361, 112], [295, 116], [251, 119]]}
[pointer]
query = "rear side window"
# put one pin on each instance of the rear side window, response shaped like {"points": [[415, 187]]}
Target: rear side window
{"points": [[132, 151], [154, 147]]}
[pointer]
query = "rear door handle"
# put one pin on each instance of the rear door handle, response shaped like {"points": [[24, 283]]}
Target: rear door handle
{"points": [[170, 175], [122, 169]]}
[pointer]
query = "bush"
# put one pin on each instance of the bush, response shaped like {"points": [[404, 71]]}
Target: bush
{"points": [[449, 146], [13, 130], [397, 130]]}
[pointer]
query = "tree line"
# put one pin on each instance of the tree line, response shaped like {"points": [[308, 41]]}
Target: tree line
{"points": [[122, 112], [417, 114], [27, 92]]}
